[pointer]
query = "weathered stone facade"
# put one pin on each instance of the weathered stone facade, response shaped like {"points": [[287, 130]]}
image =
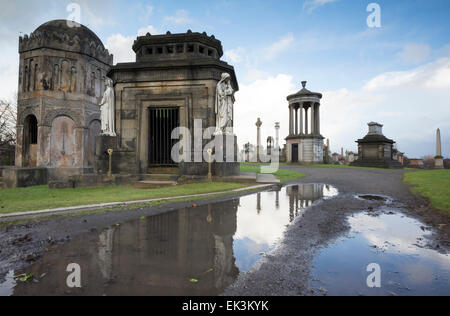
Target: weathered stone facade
{"points": [[61, 81], [177, 75]]}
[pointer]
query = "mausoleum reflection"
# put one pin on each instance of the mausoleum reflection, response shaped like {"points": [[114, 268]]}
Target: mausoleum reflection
{"points": [[190, 251]]}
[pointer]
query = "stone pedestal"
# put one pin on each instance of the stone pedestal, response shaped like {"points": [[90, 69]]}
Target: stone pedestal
{"points": [[24, 177], [438, 162], [226, 153], [103, 143]]}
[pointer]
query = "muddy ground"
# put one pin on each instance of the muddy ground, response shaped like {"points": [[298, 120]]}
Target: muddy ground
{"points": [[283, 272]]}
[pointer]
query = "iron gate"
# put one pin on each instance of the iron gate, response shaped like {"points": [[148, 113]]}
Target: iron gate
{"points": [[162, 121]]}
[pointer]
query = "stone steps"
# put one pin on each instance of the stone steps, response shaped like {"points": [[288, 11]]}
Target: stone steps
{"points": [[153, 184], [151, 181], [159, 176], [168, 170]]}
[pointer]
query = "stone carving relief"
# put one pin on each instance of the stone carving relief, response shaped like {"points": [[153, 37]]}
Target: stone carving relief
{"points": [[63, 150]]}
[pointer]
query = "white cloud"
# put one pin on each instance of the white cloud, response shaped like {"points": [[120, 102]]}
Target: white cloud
{"points": [[121, 46], [435, 75], [278, 47], [236, 55], [311, 5], [181, 17], [415, 53], [411, 105], [266, 99]]}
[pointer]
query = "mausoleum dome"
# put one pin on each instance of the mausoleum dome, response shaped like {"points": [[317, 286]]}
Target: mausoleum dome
{"points": [[67, 36]]}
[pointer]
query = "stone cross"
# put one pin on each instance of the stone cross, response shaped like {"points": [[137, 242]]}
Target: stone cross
{"points": [[438, 160], [258, 139]]}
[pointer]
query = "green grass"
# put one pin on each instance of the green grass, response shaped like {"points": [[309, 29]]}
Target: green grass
{"points": [[283, 175], [41, 197], [432, 184]]}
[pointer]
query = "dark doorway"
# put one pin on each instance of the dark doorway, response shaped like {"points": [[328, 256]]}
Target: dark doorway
{"points": [[294, 152], [162, 121], [30, 140]]}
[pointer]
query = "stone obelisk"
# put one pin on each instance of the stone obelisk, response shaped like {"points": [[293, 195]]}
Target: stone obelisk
{"points": [[438, 160]]}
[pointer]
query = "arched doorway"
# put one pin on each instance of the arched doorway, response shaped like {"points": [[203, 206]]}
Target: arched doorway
{"points": [[30, 141]]}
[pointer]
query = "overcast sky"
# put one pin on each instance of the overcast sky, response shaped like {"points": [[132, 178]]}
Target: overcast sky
{"points": [[398, 74]]}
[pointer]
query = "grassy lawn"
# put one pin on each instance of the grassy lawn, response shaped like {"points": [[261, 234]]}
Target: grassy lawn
{"points": [[41, 197], [283, 175], [432, 184]]}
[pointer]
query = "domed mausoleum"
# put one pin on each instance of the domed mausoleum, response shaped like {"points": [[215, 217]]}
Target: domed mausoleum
{"points": [[62, 75]]}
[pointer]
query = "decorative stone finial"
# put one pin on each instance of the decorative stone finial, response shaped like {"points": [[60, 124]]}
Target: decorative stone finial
{"points": [[304, 84], [168, 33]]}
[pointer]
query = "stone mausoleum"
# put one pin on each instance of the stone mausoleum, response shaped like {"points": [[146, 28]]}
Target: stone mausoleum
{"points": [[304, 143], [64, 69], [376, 150], [62, 75], [172, 83]]}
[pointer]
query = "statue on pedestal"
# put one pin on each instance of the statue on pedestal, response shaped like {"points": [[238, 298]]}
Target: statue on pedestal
{"points": [[224, 106], [107, 110]]}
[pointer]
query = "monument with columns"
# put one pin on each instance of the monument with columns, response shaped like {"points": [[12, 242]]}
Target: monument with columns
{"points": [[304, 143]]}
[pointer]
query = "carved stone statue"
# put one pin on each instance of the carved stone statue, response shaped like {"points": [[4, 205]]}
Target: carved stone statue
{"points": [[107, 110], [224, 106]]}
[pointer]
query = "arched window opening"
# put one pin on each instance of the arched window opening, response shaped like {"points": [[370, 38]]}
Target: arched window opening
{"points": [[32, 129]]}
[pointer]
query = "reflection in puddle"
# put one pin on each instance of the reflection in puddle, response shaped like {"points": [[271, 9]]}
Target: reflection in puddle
{"points": [[191, 251], [397, 244]]}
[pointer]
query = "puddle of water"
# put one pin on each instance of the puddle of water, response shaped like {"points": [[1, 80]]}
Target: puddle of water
{"points": [[373, 197], [393, 241], [192, 251]]}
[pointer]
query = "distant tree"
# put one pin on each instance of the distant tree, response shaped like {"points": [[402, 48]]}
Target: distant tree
{"points": [[428, 162], [8, 119]]}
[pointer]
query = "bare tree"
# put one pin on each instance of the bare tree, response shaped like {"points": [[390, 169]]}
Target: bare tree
{"points": [[8, 120]]}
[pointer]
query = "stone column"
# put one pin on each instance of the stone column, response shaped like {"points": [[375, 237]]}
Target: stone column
{"points": [[313, 119], [438, 160], [258, 139], [296, 121], [301, 119], [306, 121], [318, 119], [291, 127], [277, 135]]}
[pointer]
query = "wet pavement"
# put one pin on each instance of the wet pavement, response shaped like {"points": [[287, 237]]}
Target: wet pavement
{"points": [[393, 241], [191, 251], [291, 241]]}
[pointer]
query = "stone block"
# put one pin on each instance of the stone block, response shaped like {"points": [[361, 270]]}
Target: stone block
{"points": [[24, 177]]}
